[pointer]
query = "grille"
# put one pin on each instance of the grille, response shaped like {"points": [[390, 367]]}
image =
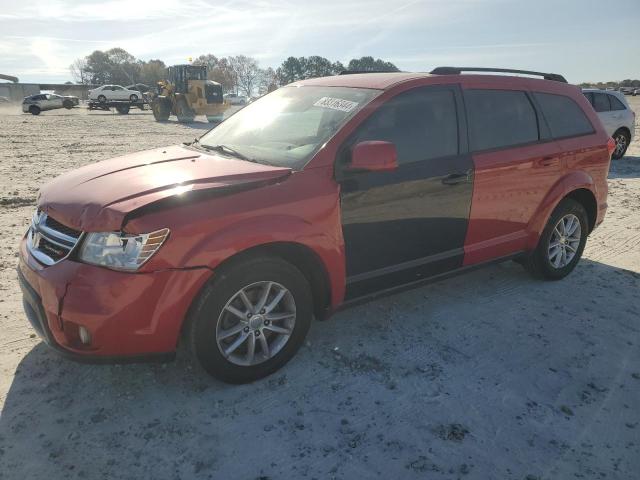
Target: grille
{"points": [[56, 225], [49, 241]]}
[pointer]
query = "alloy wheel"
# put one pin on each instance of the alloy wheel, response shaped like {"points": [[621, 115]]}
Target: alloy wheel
{"points": [[621, 144], [564, 241], [256, 323]]}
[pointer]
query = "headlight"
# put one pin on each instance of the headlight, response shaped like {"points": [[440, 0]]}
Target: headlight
{"points": [[121, 251]]}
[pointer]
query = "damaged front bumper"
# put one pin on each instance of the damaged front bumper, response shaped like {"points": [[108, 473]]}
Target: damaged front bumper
{"points": [[124, 316]]}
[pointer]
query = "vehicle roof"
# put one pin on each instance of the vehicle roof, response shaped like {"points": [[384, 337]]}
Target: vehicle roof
{"points": [[379, 81], [385, 81]]}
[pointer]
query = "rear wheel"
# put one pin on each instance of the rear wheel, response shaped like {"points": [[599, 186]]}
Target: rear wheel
{"points": [[133, 97], [161, 109], [102, 99], [562, 242], [251, 320], [34, 110], [622, 139]]}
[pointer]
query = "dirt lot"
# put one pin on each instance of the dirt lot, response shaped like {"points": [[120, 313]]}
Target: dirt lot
{"points": [[491, 375]]}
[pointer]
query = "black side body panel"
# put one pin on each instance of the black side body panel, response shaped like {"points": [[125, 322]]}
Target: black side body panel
{"points": [[408, 224]]}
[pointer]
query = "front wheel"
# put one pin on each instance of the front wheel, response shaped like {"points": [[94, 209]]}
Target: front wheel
{"points": [[161, 109], [34, 110], [184, 113], [562, 242], [133, 97], [68, 104], [102, 99], [251, 319]]}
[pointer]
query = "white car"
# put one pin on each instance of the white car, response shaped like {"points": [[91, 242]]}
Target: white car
{"points": [[107, 93], [34, 104], [235, 99], [616, 116]]}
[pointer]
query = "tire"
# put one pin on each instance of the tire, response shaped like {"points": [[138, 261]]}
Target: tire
{"points": [[210, 318], [123, 109], [184, 112], [102, 99], [67, 104], [161, 109], [133, 97], [622, 139], [542, 263], [34, 110]]}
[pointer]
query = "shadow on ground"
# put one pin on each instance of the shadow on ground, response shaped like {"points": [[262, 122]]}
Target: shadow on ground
{"points": [[626, 167], [487, 375]]}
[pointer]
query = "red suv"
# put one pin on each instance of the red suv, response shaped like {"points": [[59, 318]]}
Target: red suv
{"points": [[320, 194]]}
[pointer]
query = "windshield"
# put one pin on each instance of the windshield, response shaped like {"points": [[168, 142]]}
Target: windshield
{"points": [[288, 126]]}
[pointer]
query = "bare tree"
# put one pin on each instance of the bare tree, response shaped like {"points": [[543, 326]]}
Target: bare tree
{"points": [[78, 71], [268, 81], [246, 73]]}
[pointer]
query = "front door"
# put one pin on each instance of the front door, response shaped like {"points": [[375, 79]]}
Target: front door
{"points": [[402, 226]]}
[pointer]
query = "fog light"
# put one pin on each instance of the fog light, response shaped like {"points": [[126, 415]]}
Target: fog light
{"points": [[84, 335]]}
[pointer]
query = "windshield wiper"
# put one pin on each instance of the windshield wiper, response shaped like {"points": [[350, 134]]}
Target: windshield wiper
{"points": [[228, 150]]}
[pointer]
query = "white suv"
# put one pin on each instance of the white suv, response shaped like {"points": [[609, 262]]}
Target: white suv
{"points": [[113, 92], [616, 116]]}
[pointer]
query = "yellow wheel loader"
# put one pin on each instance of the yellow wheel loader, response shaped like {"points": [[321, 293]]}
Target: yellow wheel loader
{"points": [[186, 93]]}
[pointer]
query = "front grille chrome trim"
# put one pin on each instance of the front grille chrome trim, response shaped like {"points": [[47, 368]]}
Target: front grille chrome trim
{"points": [[39, 228], [69, 242]]}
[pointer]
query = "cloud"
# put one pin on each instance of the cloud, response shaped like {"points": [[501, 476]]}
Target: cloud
{"points": [[414, 34], [109, 10]]}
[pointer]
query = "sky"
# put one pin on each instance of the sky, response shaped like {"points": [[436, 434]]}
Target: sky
{"points": [[582, 39]]}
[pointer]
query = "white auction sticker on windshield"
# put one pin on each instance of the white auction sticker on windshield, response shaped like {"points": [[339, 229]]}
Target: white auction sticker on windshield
{"points": [[336, 104]]}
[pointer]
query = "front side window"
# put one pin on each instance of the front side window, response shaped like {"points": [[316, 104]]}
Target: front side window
{"points": [[115, 87], [421, 123], [288, 126], [564, 116], [500, 118]]}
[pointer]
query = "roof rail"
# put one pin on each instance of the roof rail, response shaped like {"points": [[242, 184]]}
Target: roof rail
{"points": [[458, 70], [354, 72]]}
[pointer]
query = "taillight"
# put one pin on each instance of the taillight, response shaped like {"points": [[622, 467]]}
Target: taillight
{"points": [[611, 146]]}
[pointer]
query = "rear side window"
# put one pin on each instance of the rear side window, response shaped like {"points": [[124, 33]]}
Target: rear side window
{"points": [[601, 102], [500, 118], [616, 104], [422, 123], [564, 116]]}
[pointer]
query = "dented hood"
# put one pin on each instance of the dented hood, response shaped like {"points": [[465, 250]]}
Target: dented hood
{"points": [[97, 197]]}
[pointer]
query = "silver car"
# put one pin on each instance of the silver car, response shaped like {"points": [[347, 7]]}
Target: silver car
{"points": [[616, 116], [35, 104]]}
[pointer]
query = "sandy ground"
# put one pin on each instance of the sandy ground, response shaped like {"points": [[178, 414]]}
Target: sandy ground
{"points": [[491, 375]]}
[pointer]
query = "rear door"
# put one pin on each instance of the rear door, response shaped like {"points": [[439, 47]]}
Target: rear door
{"points": [[49, 102], [402, 226], [516, 164], [602, 105], [119, 93], [620, 113]]}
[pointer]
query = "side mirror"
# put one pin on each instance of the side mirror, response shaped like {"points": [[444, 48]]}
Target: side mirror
{"points": [[373, 156]]}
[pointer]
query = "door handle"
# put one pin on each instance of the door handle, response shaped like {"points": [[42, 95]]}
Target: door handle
{"points": [[456, 178]]}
